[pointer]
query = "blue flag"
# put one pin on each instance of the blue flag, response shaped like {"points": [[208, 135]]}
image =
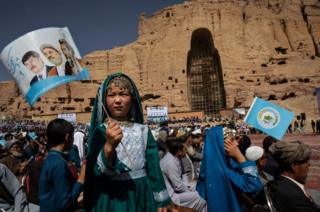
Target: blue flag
{"points": [[269, 118]]}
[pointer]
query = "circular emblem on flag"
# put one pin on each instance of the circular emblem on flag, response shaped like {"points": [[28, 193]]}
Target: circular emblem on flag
{"points": [[268, 117]]}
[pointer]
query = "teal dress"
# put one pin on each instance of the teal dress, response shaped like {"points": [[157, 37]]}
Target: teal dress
{"points": [[134, 182], [130, 180]]}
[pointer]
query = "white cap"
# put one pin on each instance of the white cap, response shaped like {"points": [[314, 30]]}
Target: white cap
{"points": [[171, 132], [254, 153], [197, 131]]}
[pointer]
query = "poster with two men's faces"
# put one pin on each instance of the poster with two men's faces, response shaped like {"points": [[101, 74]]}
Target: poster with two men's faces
{"points": [[43, 59]]}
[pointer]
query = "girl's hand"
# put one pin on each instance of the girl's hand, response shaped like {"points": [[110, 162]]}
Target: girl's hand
{"points": [[162, 210], [114, 134]]}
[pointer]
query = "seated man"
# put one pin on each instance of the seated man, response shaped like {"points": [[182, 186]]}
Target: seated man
{"points": [[178, 191], [287, 190], [161, 142], [14, 160], [12, 197]]}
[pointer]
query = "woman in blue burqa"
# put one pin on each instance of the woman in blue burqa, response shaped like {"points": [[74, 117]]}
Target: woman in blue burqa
{"points": [[225, 174], [123, 171]]}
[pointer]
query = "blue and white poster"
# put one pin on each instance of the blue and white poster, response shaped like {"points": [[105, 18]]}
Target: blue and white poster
{"points": [[157, 114], [70, 117], [269, 118], [43, 59]]}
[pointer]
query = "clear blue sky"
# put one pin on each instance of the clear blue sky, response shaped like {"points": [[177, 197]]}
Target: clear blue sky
{"points": [[94, 24]]}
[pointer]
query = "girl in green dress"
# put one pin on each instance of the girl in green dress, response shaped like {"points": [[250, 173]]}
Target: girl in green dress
{"points": [[123, 172]]}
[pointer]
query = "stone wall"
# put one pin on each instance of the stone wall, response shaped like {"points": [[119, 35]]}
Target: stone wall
{"points": [[267, 48]]}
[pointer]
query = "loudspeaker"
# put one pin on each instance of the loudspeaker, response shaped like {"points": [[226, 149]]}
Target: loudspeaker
{"points": [[303, 116]]}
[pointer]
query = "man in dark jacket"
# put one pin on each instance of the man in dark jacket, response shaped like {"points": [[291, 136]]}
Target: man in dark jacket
{"points": [[287, 190], [14, 160]]}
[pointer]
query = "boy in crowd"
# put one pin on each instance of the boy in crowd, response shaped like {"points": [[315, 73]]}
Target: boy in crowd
{"points": [[58, 188]]}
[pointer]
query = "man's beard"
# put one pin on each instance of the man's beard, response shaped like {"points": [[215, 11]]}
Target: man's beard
{"points": [[16, 154], [55, 61]]}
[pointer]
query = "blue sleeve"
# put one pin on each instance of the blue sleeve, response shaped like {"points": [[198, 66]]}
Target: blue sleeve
{"points": [[247, 180], [66, 192]]}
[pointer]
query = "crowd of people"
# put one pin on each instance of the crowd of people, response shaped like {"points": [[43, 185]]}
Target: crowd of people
{"points": [[117, 163], [24, 146]]}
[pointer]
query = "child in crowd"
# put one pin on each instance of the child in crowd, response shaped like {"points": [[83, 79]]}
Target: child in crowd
{"points": [[123, 171], [58, 188]]}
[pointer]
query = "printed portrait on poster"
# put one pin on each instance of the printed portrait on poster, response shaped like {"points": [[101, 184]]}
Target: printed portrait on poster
{"points": [[43, 59]]}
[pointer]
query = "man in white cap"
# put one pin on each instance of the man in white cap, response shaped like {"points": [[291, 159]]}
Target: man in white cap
{"points": [[191, 161], [54, 56], [257, 154]]}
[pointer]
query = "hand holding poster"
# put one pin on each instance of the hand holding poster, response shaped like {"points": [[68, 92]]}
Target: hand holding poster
{"points": [[269, 118], [43, 59]]}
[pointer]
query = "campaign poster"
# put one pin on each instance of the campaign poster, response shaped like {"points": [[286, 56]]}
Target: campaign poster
{"points": [[43, 59]]}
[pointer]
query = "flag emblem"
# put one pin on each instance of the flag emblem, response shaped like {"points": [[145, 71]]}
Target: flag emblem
{"points": [[268, 117]]}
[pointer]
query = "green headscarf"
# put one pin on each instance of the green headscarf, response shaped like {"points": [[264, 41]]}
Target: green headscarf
{"points": [[98, 117]]}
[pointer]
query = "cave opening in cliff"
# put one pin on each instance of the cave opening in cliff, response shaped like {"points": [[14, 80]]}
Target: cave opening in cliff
{"points": [[204, 73]]}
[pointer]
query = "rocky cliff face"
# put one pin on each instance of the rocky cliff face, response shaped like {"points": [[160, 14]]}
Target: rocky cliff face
{"points": [[266, 48]]}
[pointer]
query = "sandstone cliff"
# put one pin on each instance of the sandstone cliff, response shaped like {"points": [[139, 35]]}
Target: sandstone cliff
{"points": [[267, 48]]}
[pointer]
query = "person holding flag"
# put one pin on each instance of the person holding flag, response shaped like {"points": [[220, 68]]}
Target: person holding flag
{"points": [[225, 173], [123, 171]]}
